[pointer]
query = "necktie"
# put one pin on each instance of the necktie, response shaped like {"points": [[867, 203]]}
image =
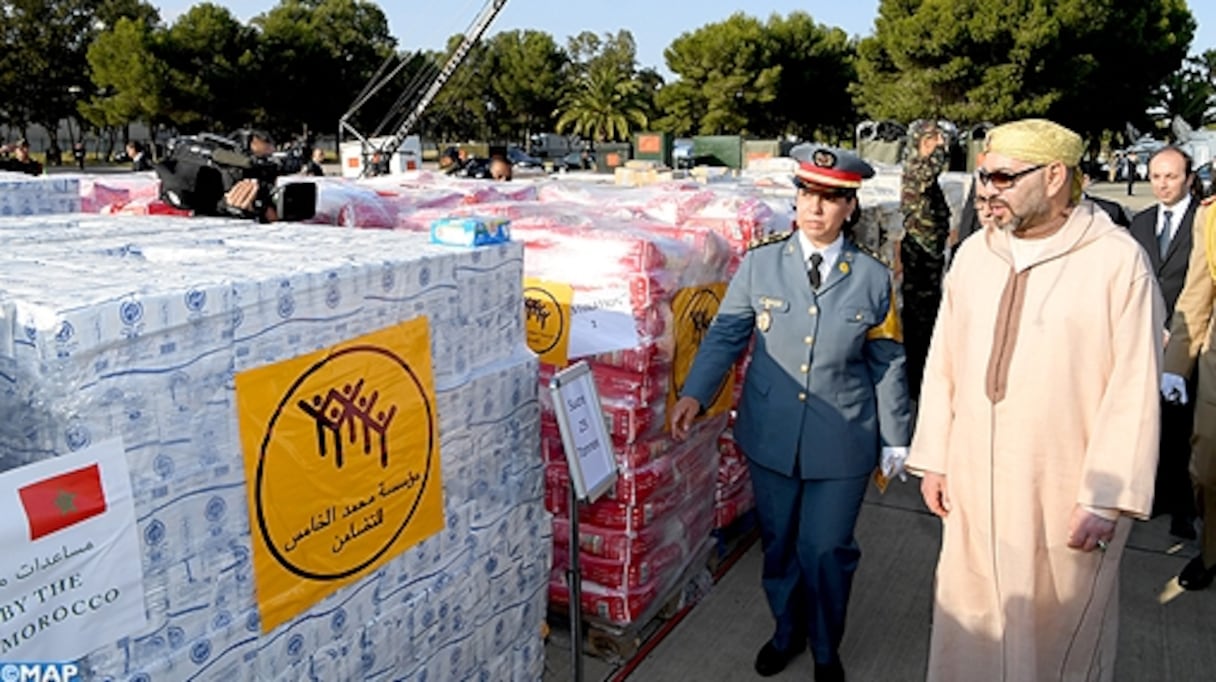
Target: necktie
{"points": [[813, 273], [1163, 239]]}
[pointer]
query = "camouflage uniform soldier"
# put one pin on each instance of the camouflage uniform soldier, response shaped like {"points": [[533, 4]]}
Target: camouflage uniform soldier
{"points": [[922, 249]]}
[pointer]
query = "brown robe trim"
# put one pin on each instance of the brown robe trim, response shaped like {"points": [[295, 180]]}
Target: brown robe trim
{"points": [[1005, 336]]}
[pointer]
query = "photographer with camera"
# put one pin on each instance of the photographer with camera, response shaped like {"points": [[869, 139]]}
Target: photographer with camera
{"points": [[236, 176]]}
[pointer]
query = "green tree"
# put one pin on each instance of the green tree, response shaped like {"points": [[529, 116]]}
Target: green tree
{"points": [[726, 78], [128, 75], [44, 69], [616, 51], [526, 71], [1188, 93], [609, 97], [314, 57], [211, 79], [603, 106], [1090, 64], [817, 68], [787, 76], [461, 110]]}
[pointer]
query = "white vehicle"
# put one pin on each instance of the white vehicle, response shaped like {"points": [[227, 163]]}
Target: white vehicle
{"points": [[408, 156]]}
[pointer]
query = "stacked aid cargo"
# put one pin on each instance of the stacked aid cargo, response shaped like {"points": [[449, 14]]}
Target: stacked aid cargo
{"points": [[553, 219], [139, 329], [654, 525], [738, 215]]}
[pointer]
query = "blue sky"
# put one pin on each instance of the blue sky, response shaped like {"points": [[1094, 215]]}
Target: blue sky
{"points": [[654, 23]]}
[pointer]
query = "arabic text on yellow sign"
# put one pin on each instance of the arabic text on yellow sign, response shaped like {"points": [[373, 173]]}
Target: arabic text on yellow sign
{"points": [[341, 454]]}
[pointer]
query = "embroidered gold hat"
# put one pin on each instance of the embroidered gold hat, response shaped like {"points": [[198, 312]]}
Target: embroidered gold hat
{"points": [[1036, 140]]}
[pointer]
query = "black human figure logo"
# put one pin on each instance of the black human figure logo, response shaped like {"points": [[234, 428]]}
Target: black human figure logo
{"points": [[337, 409], [700, 319], [536, 310]]}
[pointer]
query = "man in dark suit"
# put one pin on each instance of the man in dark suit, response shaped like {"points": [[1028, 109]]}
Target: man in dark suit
{"points": [[139, 157], [1164, 230]]}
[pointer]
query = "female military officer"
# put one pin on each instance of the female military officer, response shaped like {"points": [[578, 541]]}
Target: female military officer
{"points": [[825, 394]]}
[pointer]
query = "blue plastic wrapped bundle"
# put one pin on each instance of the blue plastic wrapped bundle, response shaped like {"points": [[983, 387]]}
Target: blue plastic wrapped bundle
{"points": [[470, 231]]}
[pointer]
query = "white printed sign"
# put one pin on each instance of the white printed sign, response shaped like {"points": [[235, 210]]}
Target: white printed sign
{"points": [[584, 435], [70, 575], [601, 321]]}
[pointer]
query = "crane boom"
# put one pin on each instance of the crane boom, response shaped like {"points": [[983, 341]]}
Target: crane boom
{"points": [[392, 143]]}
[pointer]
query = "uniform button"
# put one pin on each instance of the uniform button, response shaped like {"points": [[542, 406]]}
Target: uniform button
{"points": [[857, 316], [810, 340], [802, 397], [805, 368], [814, 310]]}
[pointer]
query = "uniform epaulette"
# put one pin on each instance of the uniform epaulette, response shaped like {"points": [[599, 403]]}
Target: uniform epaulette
{"points": [[773, 238], [872, 254]]}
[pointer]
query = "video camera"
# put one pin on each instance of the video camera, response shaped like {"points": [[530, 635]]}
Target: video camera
{"points": [[199, 170]]}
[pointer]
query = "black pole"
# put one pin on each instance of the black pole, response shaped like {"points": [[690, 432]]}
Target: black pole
{"points": [[575, 581]]}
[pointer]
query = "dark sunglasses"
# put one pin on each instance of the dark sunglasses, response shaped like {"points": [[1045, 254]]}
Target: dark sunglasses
{"points": [[1004, 179]]}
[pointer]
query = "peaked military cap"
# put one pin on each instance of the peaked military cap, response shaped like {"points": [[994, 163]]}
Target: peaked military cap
{"points": [[829, 167]]}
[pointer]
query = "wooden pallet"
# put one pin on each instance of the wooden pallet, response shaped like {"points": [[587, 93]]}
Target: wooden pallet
{"points": [[617, 644]]}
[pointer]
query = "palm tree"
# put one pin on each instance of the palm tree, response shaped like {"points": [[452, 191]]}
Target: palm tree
{"points": [[1188, 92], [603, 106]]}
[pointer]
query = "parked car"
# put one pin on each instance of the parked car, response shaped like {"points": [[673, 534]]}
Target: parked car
{"points": [[574, 161], [521, 159]]}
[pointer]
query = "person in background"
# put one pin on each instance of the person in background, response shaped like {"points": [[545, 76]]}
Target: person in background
{"points": [[1117, 212], [824, 402], [16, 158], [316, 163], [450, 162], [139, 157], [1037, 428], [1191, 347], [1164, 230], [922, 249], [1133, 163], [78, 153], [500, 168]]}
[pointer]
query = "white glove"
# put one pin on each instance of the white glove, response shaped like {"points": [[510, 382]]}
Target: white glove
{"points": [[1173, 388], [893, 459]]}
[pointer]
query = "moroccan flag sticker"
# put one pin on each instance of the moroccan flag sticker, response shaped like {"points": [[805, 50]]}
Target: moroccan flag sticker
{"points": [[65, 500]]}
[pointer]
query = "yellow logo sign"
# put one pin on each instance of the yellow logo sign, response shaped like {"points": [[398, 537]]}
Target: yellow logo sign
{"points": [[342, 463], [693, 309], [547, 320]]}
